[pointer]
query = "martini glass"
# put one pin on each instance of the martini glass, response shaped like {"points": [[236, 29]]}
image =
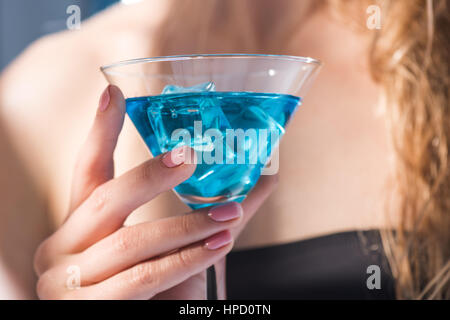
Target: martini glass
{"points": [[232, 109]]}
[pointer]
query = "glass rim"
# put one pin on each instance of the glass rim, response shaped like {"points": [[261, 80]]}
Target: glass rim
{"points": [[306, 60]]}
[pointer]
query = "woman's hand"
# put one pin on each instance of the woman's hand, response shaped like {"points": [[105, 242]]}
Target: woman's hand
{"points": [[93, 256]]}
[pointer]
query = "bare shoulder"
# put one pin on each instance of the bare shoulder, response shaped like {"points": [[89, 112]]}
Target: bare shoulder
{"points": [[59, 64], [35, 87], [42, 70], [49, 94]]}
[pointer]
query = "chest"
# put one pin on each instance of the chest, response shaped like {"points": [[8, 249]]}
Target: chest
{"points": [[335, 159]]}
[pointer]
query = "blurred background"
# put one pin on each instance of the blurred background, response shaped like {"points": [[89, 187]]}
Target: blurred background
{"points": [[37, 20]]}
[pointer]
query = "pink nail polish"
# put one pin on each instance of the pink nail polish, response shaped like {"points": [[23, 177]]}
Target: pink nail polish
{"points": [[218, 240], [104, 100], [226, 212], [175, 157]]}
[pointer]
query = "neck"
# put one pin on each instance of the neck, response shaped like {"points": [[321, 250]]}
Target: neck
{"points": [[274, 18]]}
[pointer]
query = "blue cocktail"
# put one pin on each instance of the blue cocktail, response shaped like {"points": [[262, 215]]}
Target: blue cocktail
{"points": [[231, 157]]}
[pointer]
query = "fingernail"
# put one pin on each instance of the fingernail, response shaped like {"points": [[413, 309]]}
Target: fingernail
{"points": [[175, 157], [226, 212], [218, 240], [104, 100]]}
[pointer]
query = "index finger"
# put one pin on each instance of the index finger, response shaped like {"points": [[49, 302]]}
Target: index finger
{"points": [[109, 205], [95, 164]]}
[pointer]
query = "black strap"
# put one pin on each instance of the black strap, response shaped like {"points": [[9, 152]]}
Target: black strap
{"points": [[211, 284]]}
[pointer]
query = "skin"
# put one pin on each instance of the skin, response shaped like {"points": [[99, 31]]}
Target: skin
{"points": [[335, 158]]}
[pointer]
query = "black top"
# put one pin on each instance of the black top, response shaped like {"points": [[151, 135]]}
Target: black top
{"points": [[329, 267]]}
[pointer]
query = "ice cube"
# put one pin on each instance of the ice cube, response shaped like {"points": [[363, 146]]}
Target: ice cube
{"points": [[211, 114], [262, 137], [157, 123], [262, 120], [206, 86]]}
